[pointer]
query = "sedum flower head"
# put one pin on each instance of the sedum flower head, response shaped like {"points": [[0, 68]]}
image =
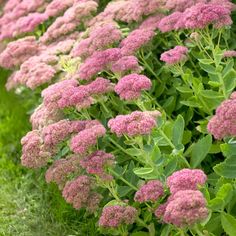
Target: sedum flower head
{"points": [[186, 179], [96, 164], [151, 191], [186, 208], [136, 123], [115, 216], [59, 171], [176, 55], [222, 124], [79, 192], [130, 86], [135, 40]]}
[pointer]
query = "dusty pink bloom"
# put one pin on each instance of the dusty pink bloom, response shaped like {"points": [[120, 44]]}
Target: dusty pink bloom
{"points": [[151, 191], [181, 5], [202, 15], [97, 162], [135, 40], [186, 208], [79, 192], [186, 179], [226, 3], [229, 53], [33, 75], [176, 55], [44, 116], [59, 171], [126, 64], [28, 23], [100, 86], [100, 38], [136, 123], [16, 10], [19, 51], [34, 154], [61, 130], [132, 10], [34, 72], [57, 132], [115, 216], [171, 22], [130, 86], [56, 7], [60, 95], [152, 22], [70, 20], [98, 62], [84, 140], [160, 211], [10, 5], [222, 124]]}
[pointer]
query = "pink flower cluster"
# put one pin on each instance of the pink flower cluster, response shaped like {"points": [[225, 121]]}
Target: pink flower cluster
{"points": [[60, 170], [115, 216], [79, 192], [197, 17], [175, 55], [222, 124], [87, 138], [21, 17], [186, 179], [136, 123], [19, 51], [96, 164], [100, 38], [67, 93], [151, 191], [186, 208], [34, 71], [44, 116], [99, 61], [34, 153], [67, 23], [186, 205], [125, 65], [229, 53], [135, 40], [59, 131], [130, 86]]}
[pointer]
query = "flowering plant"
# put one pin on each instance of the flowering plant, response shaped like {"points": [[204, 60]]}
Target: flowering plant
{"points": [[136, 116]]}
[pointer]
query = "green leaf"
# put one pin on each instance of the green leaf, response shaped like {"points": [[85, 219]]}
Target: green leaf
{"points": [[228, 149], [123, 190], [205, 61], [227, 168], [191, 104], [223, 197], [178, 130], [230, 81], [200, 150], [146, 172], [140, 233], [156, 154], [228, 68], [208, 68], [184, 89], [211, 94], [134, 151], [229, 223]]}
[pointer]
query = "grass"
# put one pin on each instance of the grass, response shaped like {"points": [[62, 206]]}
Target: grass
{"points": [[28, 206]]}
